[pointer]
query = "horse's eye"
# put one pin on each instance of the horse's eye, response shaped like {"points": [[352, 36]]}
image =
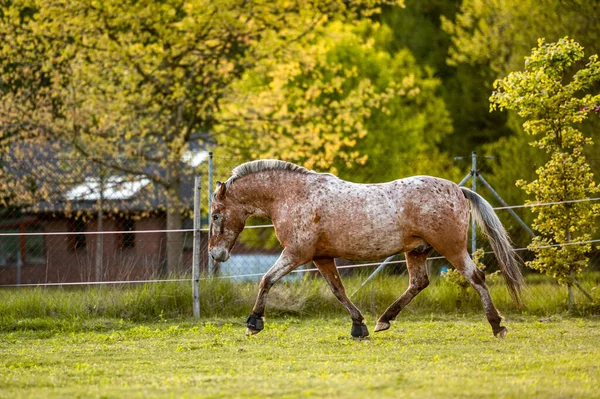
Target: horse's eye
{"points": [[215, 216]]}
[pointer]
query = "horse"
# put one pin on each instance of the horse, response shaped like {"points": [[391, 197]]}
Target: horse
{"points": [[318, 217]]}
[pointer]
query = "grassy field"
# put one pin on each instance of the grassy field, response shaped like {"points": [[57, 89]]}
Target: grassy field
{"points": [[421, 356], [307, 298], [140, 341]]}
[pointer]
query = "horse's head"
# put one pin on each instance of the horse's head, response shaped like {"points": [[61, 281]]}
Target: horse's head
{"points": [[227, 222]]}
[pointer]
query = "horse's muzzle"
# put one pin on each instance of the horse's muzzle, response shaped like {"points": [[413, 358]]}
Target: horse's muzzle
{"points": [[219, 254]]}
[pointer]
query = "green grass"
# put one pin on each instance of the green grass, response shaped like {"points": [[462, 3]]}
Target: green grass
{"points": [[421, 356], [311, 297], [139, 341]]}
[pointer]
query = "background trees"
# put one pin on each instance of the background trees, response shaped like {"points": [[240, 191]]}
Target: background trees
{"points": [[350, 106], [497, 35], [135, 86], [550, 101], [366, 89]]}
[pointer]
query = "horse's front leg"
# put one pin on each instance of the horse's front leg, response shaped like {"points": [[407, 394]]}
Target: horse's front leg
{"points": [[288, 261], [328, 270]]}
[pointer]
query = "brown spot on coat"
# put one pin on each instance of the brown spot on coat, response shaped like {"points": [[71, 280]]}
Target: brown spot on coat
{"points": [[317, 218]]}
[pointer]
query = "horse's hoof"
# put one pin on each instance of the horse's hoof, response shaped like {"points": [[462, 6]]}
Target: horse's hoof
{"points": [[250, 332], [382, 326], [501, 333], [255, 324], [359, 331]]}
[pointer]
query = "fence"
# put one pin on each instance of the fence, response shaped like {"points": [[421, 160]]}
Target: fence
{"points": [[115, 231]]}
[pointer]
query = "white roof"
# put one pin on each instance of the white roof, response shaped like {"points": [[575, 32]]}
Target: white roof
{"points": [[120, 187], [194, 159], [114, 188]]}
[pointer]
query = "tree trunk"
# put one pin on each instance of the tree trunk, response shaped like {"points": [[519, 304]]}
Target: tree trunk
{"points": [[571, 302], [174, 264]]}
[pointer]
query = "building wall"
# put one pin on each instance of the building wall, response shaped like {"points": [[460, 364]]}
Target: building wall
{"points": [[65, 261]]}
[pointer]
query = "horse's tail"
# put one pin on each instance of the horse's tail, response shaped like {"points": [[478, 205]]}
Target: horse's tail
{"points": [[488, 221]]}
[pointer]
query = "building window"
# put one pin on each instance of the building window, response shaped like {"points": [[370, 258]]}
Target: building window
{"points": [[22, 249], [128, 235], [78, 241]]}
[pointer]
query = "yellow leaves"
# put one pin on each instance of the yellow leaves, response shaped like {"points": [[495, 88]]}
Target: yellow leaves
{"points": [[552, 112], [351, 72], [408, 81], [312, 93], [540, 42]]}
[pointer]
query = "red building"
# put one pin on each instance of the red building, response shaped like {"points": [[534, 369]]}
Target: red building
{"points": [[56, 241]]}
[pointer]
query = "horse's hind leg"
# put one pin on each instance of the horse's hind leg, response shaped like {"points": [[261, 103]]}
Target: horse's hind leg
{"points": [[416, 263], [328, 270], [464, 264]]}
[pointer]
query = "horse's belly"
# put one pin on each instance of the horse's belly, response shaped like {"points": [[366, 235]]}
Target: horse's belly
{"points": [[360, 244]]}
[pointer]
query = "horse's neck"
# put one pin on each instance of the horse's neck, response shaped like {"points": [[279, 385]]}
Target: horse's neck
{"points": [[261, 192]]}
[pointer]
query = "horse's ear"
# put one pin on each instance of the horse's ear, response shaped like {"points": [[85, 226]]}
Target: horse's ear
{"points": [[220, 191]]}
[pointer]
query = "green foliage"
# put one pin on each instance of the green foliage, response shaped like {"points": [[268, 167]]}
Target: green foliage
{"points": [[136, 87], [146, 81], [553, 105], [353, 95], [501, 32], [463, 87], [489, 39], [455, 279], [405, 135]]}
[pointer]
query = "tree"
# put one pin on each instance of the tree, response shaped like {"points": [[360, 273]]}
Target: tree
{"points": [[405, 135], [134, 86], [495, 36], [500, 33], [464, 87], [355, 95], [553, 108]]}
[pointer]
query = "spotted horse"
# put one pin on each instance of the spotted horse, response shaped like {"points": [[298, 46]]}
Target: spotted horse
{"points": [[319, 217]]}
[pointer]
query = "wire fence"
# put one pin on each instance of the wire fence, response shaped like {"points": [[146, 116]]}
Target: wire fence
{"points": [[115, 229]]}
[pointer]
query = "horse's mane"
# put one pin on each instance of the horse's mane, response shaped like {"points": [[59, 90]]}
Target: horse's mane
{"points": [[264, 165]]}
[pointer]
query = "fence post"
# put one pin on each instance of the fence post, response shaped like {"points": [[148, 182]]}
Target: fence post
{"points": [[474, 188], [211, 265], [100, 228], [197, 248]]}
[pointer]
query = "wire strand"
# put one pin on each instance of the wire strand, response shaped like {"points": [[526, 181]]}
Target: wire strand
{"points": [[239, 276], [262, 226], [532, 205]]}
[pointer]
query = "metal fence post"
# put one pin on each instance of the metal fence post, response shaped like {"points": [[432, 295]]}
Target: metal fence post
{"points": [[503, 203], [197, 248], [474, 188], [211, 265]]}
